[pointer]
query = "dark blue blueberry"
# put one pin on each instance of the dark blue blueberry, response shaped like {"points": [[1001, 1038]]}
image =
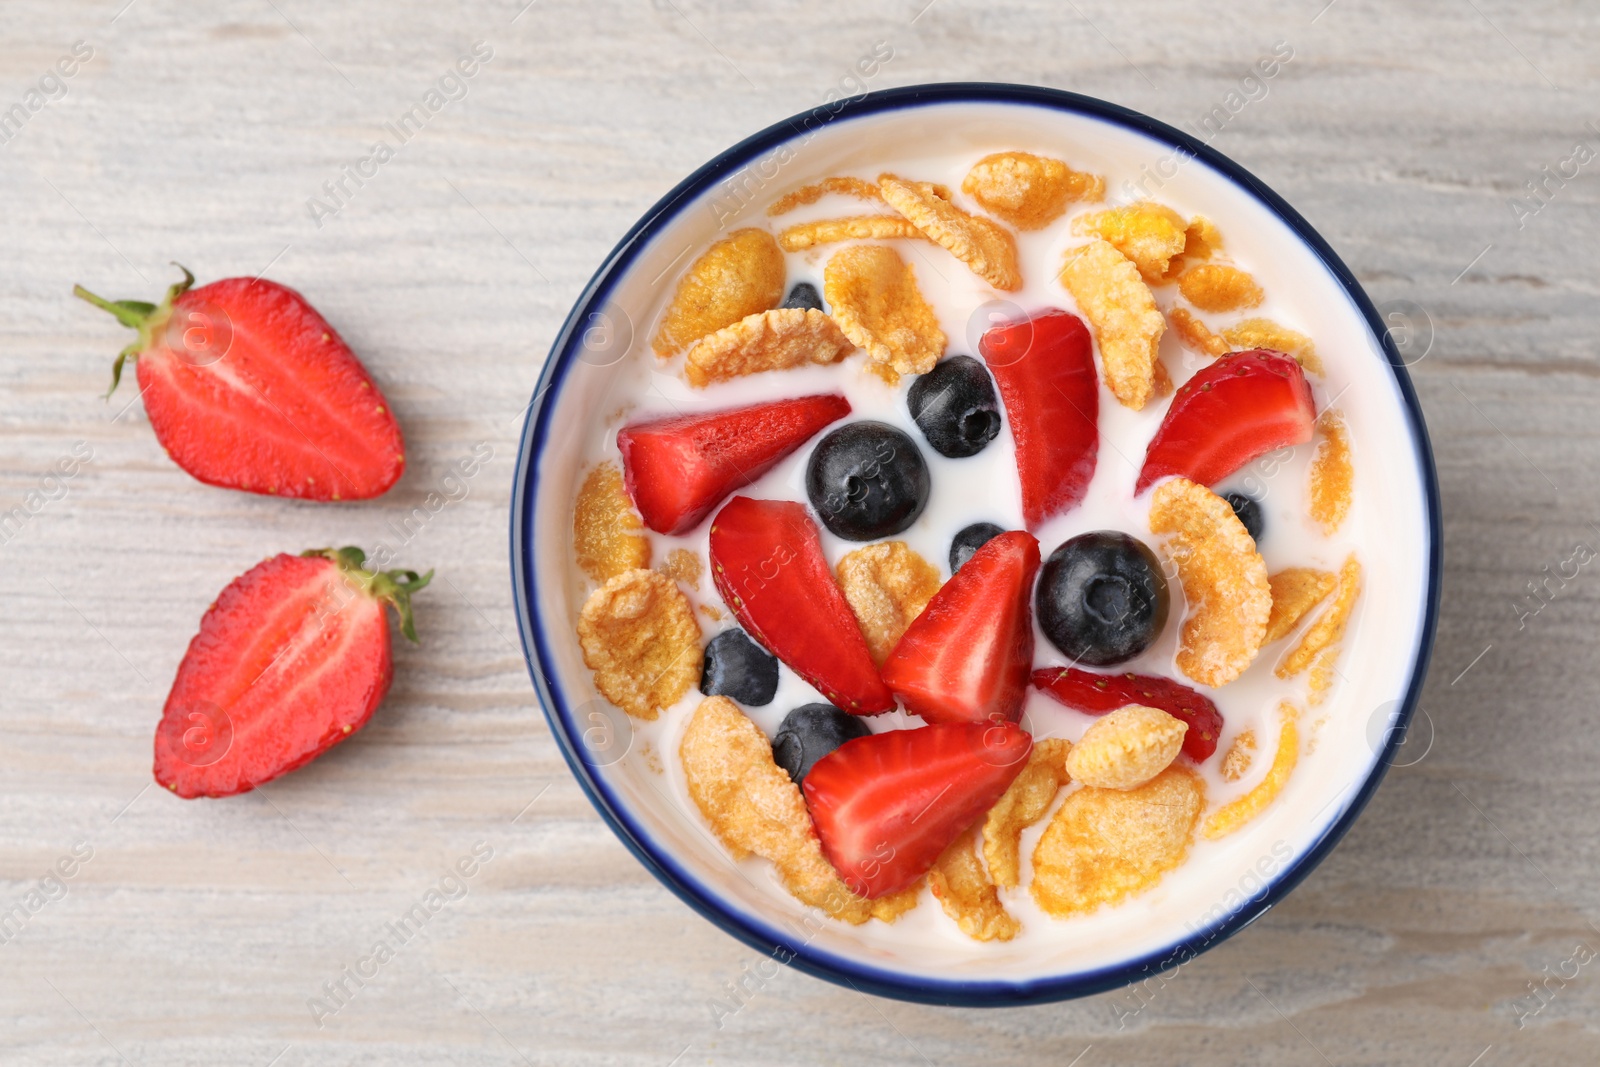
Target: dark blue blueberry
{"points": [[810, 732], [803, 295], [970, 540], [1102, 598], [1249, 511], [867, 480], [955, 407], [737, 667]]}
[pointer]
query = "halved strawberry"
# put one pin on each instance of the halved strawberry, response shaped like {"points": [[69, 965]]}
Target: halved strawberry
{"points": [[966, 657], [247, 387], [1097, 694], [767, 561], [291, 659], [677, 469], [1044, 366], [1242, 406], [887, 804]]}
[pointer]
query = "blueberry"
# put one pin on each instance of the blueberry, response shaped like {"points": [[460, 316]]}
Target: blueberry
{"points": [[1102, 598], [955, 407], [737, 667], [803, 295], [810, 732], [867, 480], [970, 540], [1249, 511]]}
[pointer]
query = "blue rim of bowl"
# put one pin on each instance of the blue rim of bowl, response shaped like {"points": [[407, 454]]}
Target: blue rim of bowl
{"points": [[761, 936]]}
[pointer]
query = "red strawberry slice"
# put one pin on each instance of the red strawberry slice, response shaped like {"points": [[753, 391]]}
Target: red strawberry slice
{"points": [[1044, 367], [887, 804], [247, 387], [767, 561], [966, 657], [1097, 694], [677, 469], [1242, 406], [291, 659]]}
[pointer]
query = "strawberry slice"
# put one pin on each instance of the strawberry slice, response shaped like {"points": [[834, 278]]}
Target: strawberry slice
{"points": [[1044, 367], [677, 469], [1097, 694], [767, 561], [966, 657], [1242, 406], [886, 805], [247, 387], [291, 659]]}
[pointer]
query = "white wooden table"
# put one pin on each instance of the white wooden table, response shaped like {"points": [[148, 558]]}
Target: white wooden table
{"points": [[197, 932]]}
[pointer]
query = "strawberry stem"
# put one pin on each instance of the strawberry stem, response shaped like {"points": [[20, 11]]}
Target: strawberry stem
{"points": [[138, 315], [393, 587]]}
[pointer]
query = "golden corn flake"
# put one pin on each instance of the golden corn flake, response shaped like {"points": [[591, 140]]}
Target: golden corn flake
{"points": [[683, 565], [768, 340], [1323, 675], [877, 304], [856, 228], [887, 585], [1105, 845], [1240, 755], [640, 637], [606, 531], [1122, 312], [1026, 190], [1332, 473], [711, 612], [1200, 242], [740, 275], [810, 194], [984, 246], [1224, 580], [1195, 334], [1230, 817], [1127, 748], [1160, 380], [963, 889], [1148, 233], [1264, 333], [1022, 804], [1328, 630], [1295, 591], [1213, 287]]}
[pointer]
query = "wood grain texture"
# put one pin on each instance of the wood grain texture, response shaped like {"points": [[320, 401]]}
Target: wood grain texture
{"points": [[198, 931]]}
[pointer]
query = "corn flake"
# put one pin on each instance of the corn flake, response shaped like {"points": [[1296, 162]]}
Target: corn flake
{"points": [[1127, 748], [1295, 591], [1328, 630], [1240, 755], [1224, 579], [810, 194], [1332, 473], [640, 637], [769, 340], [1148, 233], [963, 889], [855, 228], [887, 585], [1122, 312], [683, 565], [1201, 241], [1022, 804], [740, 275], [605, 528], [1213, 287], [984, 246], [1264, 333], [1232, 816], [1026, 190], [1195, 334], [1323, 675], [877, 304]]}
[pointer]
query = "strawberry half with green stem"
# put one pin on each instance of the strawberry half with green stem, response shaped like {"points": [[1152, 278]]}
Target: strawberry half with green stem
{"points": [[291, 659], [1097, 694], [247, 387], [886, 805]]}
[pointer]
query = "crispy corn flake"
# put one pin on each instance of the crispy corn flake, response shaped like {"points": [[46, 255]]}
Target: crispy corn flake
{"points": [[876, 302], [986, 247], [1295, 591], [1240, 755], [1148, 233], [1323, 675], [1026, 190], [755, 809], [640, 637], [1105, 845], [1127, 748], [1224, 579], [768, 340], [1201, 241], [1228, 818], [1195, 334], [740, 275], [855, 228], [683, 565], [887, 585], [712, 612], [1122, 313], [1022, 804], [810, 194], [606, 531], [1328, 630], [1160, 380], [1213, 287], [963, 889], [1332, 473], [1264, 333]]}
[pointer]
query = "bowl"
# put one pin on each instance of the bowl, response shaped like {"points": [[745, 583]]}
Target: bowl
{"points": [[608, 329]]}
